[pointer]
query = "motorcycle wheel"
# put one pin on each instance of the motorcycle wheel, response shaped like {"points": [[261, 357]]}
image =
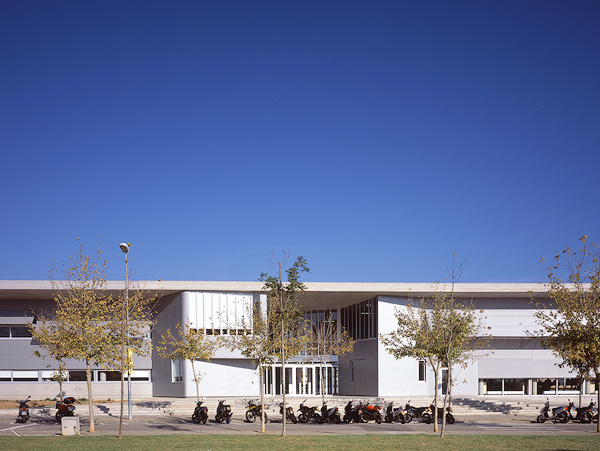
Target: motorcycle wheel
{"points": [[58, 416], [302, 418], [195, 418], [587, 418], [363, 419], [293, 418], [541, 419], [563, 417], [318, 419], [250, 417], [408, 417], [449, 418], [427, 418], [378, 418], [218, 419], [389, 418], [337, 419], [228, 419]]}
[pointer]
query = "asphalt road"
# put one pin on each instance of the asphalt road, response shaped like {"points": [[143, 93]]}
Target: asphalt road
{"points": [[164, 424]]}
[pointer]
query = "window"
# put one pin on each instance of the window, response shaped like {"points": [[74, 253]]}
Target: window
{"points": [[422, 370], [20, 331], [176, 371], [25, 376], [360, 320], [78, 376]]}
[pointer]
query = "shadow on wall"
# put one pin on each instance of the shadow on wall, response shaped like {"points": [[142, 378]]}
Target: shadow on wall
{"points": [[486, 406]]}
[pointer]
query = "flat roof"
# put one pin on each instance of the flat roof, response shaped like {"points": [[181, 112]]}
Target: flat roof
{"points": [[333, 294]]}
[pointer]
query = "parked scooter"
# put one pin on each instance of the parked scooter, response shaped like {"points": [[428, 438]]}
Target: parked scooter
{"points": [[352, 414], [289, 413], [306, 413], [560, 414], [65, 408], [398, 414], [223, 413], [254, 411], [23, 411], [200, 413], [371, 413], [330, 415], [584, 414]]}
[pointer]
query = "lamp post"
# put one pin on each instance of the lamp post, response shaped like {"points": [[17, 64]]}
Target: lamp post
{"points": [[125, 248]]}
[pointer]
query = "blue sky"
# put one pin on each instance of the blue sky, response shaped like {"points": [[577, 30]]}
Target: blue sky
{"points": [[371, 137]]}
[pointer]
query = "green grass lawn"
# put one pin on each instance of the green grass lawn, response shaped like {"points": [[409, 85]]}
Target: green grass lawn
{"points": [[304, 442]]}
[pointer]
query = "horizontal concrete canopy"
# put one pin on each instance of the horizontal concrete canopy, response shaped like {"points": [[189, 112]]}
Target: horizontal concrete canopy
{"points": [[319, 295]]}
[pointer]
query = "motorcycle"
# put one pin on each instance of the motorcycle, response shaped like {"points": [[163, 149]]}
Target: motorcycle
{"points": [[23, 411], [560, 414], [351, 413], [306, 413], [584, 414], [200, 413], [254, 411], [414, 412], [370, 412], [330, 415], [289, 413], [65, 408], [398, 414], [223, 413], [427, 415]]}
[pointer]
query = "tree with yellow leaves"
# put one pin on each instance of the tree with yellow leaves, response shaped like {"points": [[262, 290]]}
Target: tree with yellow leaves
{"points": [[81, 324], [188, 344], [570, 321], [326, 338]]}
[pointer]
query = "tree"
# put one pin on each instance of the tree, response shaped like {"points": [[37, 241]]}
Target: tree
{"points": [[570, 324], [417, 337], [256, 342], [55, 339], [188, 344], [326, 339], [82, 317], [442, 331], [286, 316]]}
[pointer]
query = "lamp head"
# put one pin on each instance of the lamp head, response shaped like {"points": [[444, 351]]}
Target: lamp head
{"points": [[124, 247]]}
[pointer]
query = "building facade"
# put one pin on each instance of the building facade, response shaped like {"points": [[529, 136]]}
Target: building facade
{"points": [[515, 363]]}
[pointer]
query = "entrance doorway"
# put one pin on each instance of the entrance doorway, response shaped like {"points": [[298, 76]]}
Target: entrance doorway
{"points": [[305, 379]]}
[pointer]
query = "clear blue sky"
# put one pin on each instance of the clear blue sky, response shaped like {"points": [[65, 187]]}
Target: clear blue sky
{"points": [[371, 137]]}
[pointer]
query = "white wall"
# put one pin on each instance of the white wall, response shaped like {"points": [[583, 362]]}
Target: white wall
{"points": [[223, 378]]}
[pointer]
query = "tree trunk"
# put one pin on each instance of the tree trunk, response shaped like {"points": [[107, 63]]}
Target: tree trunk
{"points": [[322, 380], [196, 381], [122, 402], [447, 398], [88, 376], [598, 399], [262, 399], [436, 373]]}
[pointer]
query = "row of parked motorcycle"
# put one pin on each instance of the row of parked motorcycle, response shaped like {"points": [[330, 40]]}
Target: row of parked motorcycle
{"points": [[64, 408], [360, 413], [564, 413]]}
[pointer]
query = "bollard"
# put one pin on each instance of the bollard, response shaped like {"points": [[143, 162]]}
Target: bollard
{"points": [[70, 425]]}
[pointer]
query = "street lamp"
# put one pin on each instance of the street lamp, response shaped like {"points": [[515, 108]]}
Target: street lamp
{"points": [[125, 248]]}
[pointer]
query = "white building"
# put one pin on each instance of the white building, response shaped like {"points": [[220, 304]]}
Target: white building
{"points": [[516, 365]]}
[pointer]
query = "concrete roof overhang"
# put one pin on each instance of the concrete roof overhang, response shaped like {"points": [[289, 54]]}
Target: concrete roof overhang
{"points": [[319, 295]]}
